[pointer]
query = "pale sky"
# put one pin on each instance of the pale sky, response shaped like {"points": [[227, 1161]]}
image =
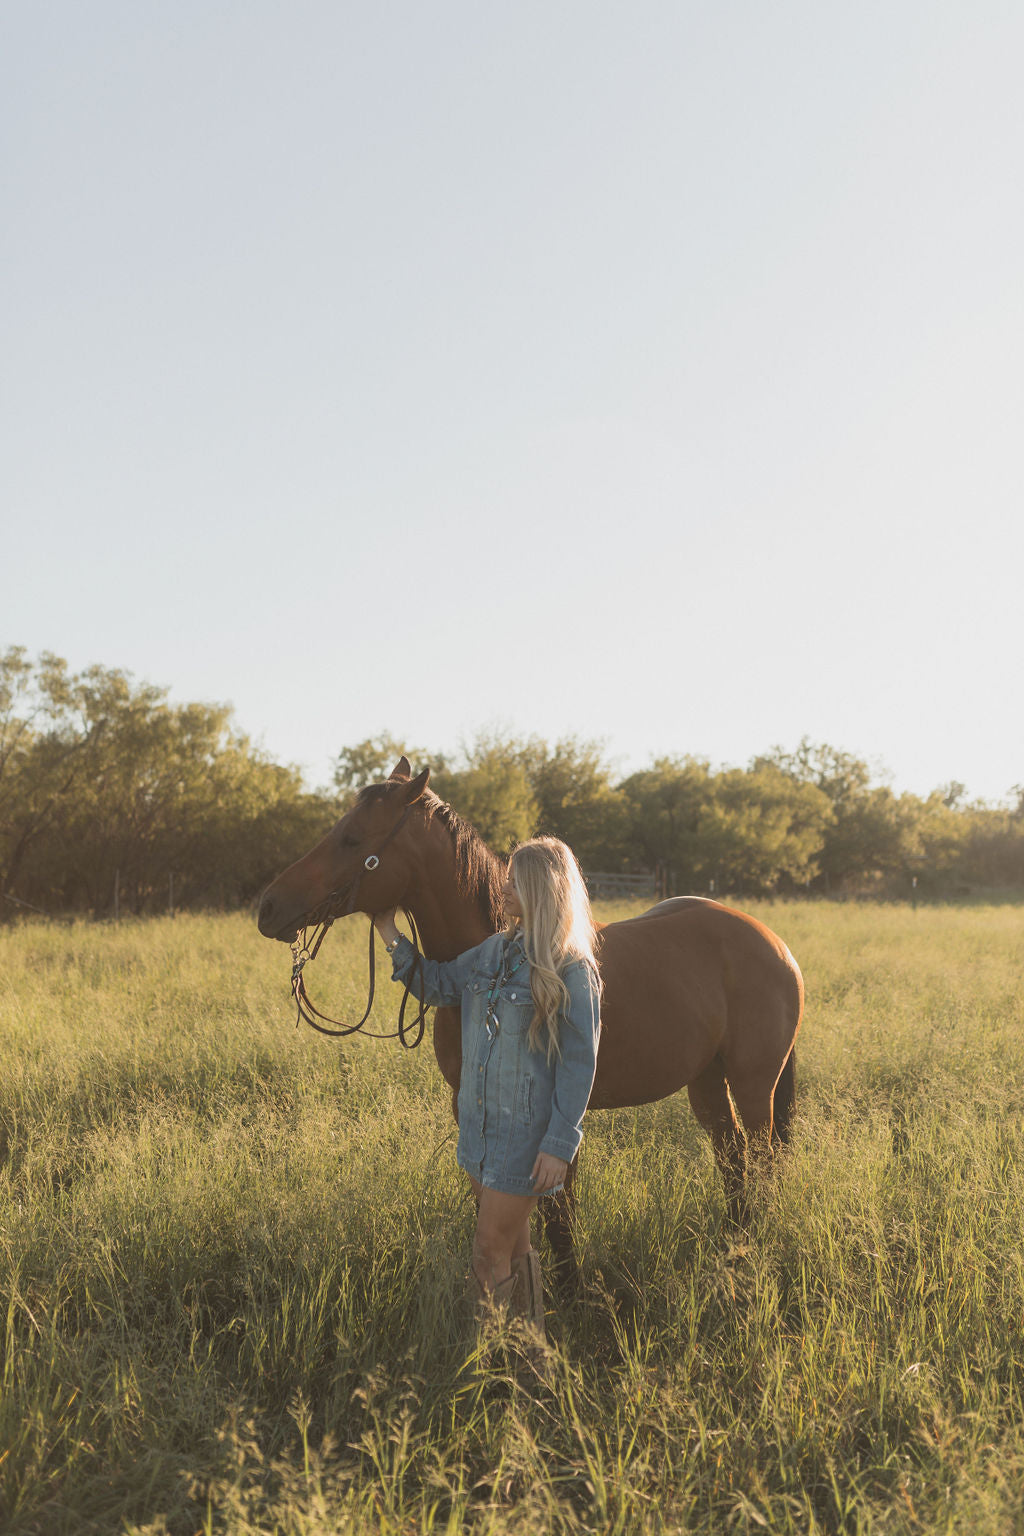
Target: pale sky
{"points": [[651, 373]]}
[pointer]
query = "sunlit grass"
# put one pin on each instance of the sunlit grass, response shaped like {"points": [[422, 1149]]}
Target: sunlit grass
{"points": [[232, 1251]]}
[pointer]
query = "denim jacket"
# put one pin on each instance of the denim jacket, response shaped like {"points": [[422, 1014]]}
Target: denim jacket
{"points": [[513, 1102]]}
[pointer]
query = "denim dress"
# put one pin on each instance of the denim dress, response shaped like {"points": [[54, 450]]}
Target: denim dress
{"points": [[513, 1102]]}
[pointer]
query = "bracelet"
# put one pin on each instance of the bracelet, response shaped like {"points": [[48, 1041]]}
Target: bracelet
{"points": [[393, 945]]}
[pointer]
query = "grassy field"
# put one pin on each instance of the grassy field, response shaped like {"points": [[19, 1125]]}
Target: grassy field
{"points": [[229, 1253]]}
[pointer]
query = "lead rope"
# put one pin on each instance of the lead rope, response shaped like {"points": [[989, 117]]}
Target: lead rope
{"points": [[308, 1013], [303, 953]]}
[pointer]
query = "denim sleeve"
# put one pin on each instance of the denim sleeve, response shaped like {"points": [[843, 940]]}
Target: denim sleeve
{"points": [[438, 983], [579, 1031]]}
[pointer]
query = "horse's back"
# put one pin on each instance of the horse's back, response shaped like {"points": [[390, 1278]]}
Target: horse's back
{"points": [[684, 982], [703, 924]]}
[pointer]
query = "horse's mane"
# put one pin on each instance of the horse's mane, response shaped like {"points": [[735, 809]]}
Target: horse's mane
{"points": [[479, 872]]}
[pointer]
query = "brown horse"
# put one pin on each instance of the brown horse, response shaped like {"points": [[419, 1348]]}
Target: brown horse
{"points": [[695, 993]]}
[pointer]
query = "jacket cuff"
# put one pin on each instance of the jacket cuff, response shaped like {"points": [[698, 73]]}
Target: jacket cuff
{"points": [[401, 956], [555, 1146]]}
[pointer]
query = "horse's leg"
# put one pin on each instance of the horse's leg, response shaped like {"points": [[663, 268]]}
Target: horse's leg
{"points": [[784, 1101], [710, 1102], [753, 1093], [559, 1212]]}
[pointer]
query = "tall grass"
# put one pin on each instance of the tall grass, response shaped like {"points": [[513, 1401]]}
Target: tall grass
{"points": [[230, 1255]]}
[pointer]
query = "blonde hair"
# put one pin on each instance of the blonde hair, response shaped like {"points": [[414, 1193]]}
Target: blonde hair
{"points": [[558, 928]]}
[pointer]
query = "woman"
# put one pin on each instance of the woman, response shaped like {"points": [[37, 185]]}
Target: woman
{"points": [[530, 1000]]}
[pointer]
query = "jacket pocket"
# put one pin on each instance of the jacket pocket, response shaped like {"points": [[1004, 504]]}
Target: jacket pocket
{"points": [[515, 1004], [526, 1099]]}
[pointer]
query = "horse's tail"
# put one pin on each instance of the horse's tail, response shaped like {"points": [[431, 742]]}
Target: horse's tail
{"points": [[785, 1101]]}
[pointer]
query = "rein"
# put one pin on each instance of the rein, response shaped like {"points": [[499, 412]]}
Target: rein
{"points": [[303, 952]]}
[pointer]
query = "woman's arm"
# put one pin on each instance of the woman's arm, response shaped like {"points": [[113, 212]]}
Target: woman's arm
{"points": [[384, 922], [578, 1035], [438, 983]]}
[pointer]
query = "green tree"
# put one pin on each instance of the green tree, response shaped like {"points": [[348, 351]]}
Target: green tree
{"points": [[935, 834], [491, 788], [576, 800], [992, 853], [731, 830], [867, 830], [765, 829], [104, 784], [47, 753], [669, 812]]}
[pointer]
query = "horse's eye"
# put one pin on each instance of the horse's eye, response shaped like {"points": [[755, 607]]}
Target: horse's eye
{"points": [[348, 841]]}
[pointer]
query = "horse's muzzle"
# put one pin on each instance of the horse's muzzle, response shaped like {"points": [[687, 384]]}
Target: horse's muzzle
{"points": [[273, 924]]}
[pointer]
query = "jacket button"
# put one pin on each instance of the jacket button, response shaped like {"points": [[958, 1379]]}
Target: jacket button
{"points": [[512, 996]]}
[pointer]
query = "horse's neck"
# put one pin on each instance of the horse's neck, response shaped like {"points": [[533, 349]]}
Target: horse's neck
{"points": [[449, 920]]}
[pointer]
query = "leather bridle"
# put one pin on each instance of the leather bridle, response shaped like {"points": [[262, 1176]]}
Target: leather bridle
{"points": [[322, 917]]}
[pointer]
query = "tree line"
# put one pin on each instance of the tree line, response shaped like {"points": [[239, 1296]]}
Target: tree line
{"points": [[111, 795]]}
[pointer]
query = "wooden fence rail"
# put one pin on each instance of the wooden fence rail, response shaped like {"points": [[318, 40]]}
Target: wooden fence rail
{"points": [[605, 884]]}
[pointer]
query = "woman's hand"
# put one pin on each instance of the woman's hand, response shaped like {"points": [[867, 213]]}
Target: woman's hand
{"points": [[384, 922], [548, 1172]]}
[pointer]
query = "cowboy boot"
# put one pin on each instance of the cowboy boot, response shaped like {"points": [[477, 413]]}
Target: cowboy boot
{"points": [[489, 1310], [528, 1304]]}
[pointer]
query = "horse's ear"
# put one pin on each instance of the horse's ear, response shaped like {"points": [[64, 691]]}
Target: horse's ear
{"points": [[401, 770], [417, 786]]}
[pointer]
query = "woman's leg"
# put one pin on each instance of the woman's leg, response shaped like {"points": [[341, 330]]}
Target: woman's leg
{"points": [[502, 1233]]}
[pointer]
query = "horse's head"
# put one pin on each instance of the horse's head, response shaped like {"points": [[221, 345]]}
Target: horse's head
{"points": [[360, 866]]}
